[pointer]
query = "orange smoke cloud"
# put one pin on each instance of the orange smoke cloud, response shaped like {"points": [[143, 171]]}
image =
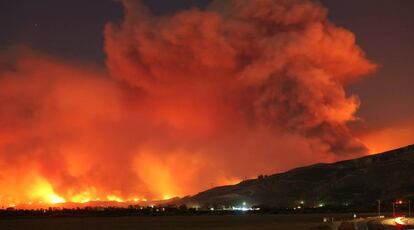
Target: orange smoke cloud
{"points": [[189, 101]]}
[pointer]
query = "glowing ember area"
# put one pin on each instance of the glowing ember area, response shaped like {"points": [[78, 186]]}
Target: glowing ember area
{"points": [[43, 192], [187, 101], [40, 193]]}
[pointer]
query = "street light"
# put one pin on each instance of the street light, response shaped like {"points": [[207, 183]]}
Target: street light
{"points": [[393, 206]]}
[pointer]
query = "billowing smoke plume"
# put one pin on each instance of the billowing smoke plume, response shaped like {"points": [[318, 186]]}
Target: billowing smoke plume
{"points": [[189, 100], [272, 63]]}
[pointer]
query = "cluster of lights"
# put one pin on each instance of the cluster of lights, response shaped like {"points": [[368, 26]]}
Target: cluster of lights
{"points": [[241, 209], [301, 204], [244, 207]]}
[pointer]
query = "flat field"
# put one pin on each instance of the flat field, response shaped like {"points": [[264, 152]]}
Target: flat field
{"points": [[237, 222]]}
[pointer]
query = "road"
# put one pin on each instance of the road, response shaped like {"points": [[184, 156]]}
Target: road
{"points": [[369, 224]]}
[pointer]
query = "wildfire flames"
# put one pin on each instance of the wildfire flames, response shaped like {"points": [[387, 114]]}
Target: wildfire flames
{"points": [[186, 101]]}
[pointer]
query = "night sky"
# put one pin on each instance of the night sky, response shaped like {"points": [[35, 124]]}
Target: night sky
{"points": [[131, 120]]}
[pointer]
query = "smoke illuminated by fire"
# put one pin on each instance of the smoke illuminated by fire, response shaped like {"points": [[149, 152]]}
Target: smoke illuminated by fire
{"points": [[187, 101], [389, 138]]}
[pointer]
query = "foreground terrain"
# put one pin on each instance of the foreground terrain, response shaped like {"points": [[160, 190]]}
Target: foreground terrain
{"points": [[236, 222], [201, 222]]}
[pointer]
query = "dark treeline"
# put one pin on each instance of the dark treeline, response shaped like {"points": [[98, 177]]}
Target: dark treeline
{"points": [[171, 210]]}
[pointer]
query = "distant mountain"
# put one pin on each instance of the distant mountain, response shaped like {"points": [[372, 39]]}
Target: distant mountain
{"points": [[385, 176]]}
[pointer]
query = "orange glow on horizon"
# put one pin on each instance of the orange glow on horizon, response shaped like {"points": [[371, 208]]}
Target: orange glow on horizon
{"points": [[41, 194], [231, 181], [389, 138], [114, 198]]}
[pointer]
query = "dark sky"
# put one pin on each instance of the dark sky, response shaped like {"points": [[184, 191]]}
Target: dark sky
{"points": [[384, 29]]}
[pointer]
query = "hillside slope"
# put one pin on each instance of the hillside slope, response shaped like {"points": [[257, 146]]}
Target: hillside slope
{"points": [[385, 176]]}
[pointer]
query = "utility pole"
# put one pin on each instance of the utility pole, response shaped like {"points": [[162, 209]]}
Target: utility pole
{"points": [[393, 209], [379, 208], [409, 208]]}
